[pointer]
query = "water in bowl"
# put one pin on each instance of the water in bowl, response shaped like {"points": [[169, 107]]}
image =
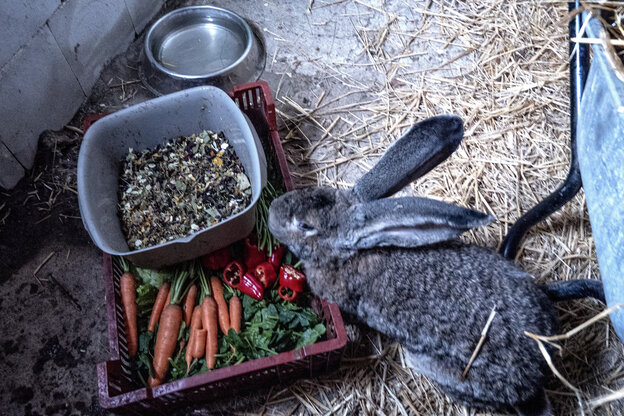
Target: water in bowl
{"points": [[201, 49]]}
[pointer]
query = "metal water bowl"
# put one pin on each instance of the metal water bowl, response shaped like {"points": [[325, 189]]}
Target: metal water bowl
{"points": [[201, 45]]}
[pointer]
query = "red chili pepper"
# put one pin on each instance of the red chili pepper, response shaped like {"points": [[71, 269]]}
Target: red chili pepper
{"points": [[287, 294], [276, 257], [265, 274], [233, 274], [250, 286], [292, 278], [252, 255], [217, 259]]}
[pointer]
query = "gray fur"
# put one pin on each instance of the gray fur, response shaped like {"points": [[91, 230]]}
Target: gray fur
{"points": [[405, 222], [396, 264], [434, 299], [424, 146]]}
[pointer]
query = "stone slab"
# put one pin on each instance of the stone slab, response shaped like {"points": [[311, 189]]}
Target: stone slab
{"points": [[19, 21], [10, 169], [38, 91], [89, 33], [142, 12]]}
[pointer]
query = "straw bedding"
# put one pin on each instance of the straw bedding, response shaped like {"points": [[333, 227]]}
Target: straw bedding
{"points": [[503, 67]]}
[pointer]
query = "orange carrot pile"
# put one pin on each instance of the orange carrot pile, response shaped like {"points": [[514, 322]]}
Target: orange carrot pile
{"points": [[203, 321]]}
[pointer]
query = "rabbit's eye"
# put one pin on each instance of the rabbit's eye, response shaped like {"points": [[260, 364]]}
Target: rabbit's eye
{"points": [[304, 226]]}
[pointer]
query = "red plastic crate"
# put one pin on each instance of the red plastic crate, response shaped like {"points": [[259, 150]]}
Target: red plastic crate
{"points": [[114, 377]]}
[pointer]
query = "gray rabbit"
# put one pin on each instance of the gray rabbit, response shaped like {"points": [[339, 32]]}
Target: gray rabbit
{"points": [[398, 266]]}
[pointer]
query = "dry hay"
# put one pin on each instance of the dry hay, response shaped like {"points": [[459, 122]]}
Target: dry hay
{"points": [[611, 16], [503, 67]]}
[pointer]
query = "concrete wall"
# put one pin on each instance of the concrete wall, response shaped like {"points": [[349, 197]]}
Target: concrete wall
{"points": [[51, 54]]}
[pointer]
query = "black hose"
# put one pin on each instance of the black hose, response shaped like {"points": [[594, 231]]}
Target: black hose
{"points": [[579, 67]]}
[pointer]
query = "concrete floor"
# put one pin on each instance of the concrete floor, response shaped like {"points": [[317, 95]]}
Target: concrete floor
{"points": [[54, 325]]}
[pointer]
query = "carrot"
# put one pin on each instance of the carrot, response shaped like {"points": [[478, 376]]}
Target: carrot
{"points": [[196, 323], [187, 310], [199, 348], [188, 353], [166, 339], [153, 382], [196, 347], [128, 300], [168, 329], [235, 316], [159, 304], [168, 301], [189, 303], [209, 312], [236, 308], [222, 308], [209, 320]]}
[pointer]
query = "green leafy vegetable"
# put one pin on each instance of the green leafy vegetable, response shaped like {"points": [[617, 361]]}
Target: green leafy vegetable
{"points": [[311, 335], [154, 278], [271, 326], [144, 355], [146, 296]]}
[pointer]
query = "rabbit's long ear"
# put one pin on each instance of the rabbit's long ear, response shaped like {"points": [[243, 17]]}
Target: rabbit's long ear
{"points": [[422, 148], [405, 222]]}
